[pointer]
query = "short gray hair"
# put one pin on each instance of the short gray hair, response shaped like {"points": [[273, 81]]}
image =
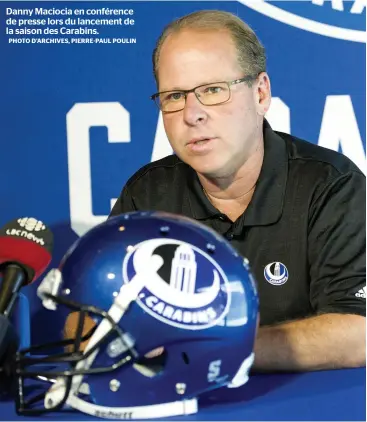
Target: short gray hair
{"points": [[251, 53]]}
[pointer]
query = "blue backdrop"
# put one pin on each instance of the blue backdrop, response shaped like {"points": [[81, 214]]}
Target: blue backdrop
{"points": [[77, 121]]}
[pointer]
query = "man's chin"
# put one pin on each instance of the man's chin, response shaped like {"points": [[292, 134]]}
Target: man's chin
{"points": [[211, 171], [206, 165]]}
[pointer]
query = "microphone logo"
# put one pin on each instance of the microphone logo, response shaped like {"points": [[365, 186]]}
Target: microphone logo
{"points": [[31, 224], [26, 234], [27, 226]]}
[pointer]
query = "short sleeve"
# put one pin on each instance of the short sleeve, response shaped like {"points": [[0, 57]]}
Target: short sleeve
{"points": [[123, 204], [337, 246]]}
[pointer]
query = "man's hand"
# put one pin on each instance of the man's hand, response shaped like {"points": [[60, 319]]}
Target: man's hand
{"points": [[326, 341]]}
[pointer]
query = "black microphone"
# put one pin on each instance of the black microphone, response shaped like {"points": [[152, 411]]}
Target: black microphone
{"points": [[25, 252], [13, 279]]}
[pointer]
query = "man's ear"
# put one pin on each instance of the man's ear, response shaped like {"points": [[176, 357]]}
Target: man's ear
{"points": [[262, 93]]}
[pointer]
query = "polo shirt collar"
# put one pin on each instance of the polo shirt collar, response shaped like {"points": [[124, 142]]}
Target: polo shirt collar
{"points": [[267, 201]]}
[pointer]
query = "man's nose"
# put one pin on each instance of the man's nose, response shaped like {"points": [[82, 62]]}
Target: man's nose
{"points": [[194, 112]]}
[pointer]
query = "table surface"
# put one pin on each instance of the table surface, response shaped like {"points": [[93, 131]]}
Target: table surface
{"points": [[325, 395]]}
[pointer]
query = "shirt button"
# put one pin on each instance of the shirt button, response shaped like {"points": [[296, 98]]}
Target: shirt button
{"points": [[229, 236]]}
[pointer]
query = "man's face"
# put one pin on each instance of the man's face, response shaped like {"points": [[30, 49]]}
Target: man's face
{"points": [[232, 130]]}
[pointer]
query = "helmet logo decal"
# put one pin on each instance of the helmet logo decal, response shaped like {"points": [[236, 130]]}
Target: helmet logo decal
{"points": [[188, 290]]}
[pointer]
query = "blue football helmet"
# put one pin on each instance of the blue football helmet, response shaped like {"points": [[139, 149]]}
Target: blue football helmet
{"points": [[164, 310]]}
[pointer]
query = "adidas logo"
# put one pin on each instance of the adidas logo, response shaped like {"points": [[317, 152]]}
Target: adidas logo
{"points": [[362, 293]]}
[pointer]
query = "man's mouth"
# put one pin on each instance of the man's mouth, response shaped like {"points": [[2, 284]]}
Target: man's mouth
{"points": [[199, 141], [200, 145]]}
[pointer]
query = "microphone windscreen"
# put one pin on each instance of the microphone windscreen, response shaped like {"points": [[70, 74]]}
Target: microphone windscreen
{"points": [[27, 242]]}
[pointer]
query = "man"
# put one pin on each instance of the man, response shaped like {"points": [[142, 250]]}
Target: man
{"points": [[294, 209]]}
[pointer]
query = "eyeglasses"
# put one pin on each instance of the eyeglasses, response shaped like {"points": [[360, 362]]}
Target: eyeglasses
{"points": [[208, 94]]}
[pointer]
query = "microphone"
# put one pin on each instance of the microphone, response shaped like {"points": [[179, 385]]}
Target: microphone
{"points": [[26, 246]]}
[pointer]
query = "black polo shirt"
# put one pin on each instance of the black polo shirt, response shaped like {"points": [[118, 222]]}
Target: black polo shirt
{"points": [[303, 231]]}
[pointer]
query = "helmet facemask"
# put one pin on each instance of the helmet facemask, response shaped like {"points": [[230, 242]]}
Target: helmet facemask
{"points": [[62, 365]]}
